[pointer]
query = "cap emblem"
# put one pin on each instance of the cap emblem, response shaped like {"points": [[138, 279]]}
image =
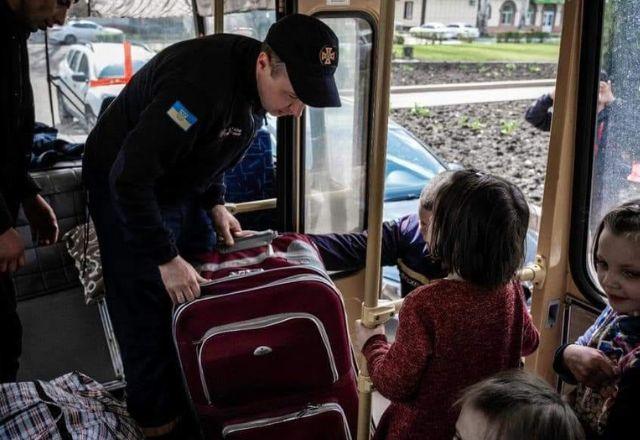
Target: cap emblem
{"points": [[327, 56]]}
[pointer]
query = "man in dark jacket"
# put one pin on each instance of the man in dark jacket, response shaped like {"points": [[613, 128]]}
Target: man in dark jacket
{"points": [[154, 167], [17, 19]]}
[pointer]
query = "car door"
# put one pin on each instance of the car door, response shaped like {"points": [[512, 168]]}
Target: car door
{"points": [[82, 85]]}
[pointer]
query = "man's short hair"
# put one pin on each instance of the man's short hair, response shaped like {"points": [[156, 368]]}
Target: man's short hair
{"points": [[277, 65]]}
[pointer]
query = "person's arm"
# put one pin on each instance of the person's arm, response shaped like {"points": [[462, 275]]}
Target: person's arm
{"points": [[539, 115], [166, 128], [349, 251], [530, 334], [578, 362], [6, 220], [396, 370], [214, 195]]}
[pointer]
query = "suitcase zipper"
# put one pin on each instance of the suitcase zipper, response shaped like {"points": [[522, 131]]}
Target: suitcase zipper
{"points": [[310, 410], [291, 279], [243, 273], [257, 323]]}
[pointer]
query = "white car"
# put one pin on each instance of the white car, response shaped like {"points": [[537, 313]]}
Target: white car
{"points": [[464, 30], [84, 77], [84, 31], [433, 31]]}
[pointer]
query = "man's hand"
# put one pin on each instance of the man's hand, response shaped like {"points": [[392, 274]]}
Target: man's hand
{"points": [[589, 366], [225, 224], [42, 219], [181, 280], [11, 251]]}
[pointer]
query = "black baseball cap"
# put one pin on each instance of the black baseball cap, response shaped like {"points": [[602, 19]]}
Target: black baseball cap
{"points": [[309, 49]]}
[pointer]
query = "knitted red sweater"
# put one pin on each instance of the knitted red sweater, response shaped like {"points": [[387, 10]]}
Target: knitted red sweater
{"points": [[451, 335]]}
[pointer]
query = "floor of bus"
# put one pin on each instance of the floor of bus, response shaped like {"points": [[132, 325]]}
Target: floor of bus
{"points": [[60, 334]]}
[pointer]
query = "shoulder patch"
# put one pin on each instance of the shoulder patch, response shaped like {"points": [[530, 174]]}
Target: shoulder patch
{"points": [[181, 116]]}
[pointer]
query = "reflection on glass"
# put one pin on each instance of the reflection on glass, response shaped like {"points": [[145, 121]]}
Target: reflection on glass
{"points": [[336, 139], [616, 165]]}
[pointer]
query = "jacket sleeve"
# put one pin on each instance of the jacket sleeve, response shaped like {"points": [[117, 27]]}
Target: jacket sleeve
{"points": [[349, 251], [396, 370], [214, 195], [530, 334], [165, 130], [558, 358], [6, 220], [539, 115]]}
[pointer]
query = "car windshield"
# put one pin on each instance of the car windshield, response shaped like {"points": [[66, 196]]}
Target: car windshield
{"points": [[117, 70], [409, 165]]}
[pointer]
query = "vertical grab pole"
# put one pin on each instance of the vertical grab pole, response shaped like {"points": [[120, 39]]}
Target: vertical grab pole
{"points": [[218, 16], [377, 161]]}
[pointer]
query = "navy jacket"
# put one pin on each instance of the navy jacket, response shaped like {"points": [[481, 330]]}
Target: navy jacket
{"points": [[402, 245], [187, 116], [16, 123]]}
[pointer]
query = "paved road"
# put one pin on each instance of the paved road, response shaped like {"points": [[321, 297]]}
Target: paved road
{"points": [[452, 97]]}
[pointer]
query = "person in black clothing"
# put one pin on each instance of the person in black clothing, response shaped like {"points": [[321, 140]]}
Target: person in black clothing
{"points": [[154, 167], [17, 19], [540, 113]]}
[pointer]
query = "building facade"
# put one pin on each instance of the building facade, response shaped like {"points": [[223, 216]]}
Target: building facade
{"points": [[492, 15]]}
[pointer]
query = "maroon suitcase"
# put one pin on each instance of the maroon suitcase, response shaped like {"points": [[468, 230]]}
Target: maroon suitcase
{"points": [[265, 351]]}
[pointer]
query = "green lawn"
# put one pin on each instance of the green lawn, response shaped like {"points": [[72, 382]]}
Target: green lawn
{"points": [[481, 52]]}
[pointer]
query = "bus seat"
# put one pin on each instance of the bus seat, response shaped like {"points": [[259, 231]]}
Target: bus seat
{"points": [[254, 179], [60, 332]]}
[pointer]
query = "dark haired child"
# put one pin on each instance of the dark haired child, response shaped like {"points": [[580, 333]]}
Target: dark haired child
{"points": [[515, 405], [468, 326], [605, 361]]}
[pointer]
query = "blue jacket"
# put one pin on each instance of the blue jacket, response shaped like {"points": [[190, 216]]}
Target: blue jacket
{"points": [[402, 245]]}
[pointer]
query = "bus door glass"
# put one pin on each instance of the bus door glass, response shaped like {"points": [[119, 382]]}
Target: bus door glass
{"points": [[335, 139], [616, 148]]}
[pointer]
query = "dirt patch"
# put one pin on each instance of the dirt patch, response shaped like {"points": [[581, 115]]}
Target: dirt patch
{"points": [[493, 137], [406, 74]]}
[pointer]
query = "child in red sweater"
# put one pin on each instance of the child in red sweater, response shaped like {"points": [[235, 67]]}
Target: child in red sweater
{"points": [[464, 328]]}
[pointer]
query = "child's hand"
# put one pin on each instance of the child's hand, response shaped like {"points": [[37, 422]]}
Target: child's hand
{"points": [[589, 366], [362, 334]]}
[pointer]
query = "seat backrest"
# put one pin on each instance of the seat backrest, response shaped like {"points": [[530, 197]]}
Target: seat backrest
{"points": [[50, 268]]}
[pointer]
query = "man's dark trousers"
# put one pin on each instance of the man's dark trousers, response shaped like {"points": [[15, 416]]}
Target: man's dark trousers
{"points": [[140, 308], [10, 327]]}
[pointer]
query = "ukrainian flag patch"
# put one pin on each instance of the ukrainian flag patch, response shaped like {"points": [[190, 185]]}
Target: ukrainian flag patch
{"points": [[181, 116]]}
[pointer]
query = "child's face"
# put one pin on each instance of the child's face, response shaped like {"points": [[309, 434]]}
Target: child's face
{"points": [[425, 220], [471, 424], [618, 268]]}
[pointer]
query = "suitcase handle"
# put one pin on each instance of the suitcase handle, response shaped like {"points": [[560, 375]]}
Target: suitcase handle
{"points": [[259, 239]]}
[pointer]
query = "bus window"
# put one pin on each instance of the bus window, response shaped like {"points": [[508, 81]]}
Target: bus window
{"points": [[251, 19], [336, 138], [95, 43], [616, 149]]}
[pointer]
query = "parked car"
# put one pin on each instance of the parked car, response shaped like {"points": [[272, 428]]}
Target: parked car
{"points": [[464, 30], [82, 74], [84, 31], [433, 31]]}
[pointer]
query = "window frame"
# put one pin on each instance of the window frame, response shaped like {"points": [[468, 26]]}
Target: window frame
{"points": [[589, 77], [408, 10], [368, 145], [513, 12]]}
